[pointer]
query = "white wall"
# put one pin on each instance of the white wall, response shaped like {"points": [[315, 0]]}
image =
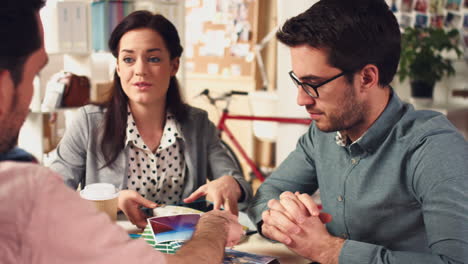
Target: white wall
{"points": [[287, 106]]}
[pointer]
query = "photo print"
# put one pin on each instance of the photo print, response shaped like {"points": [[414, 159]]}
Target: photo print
{"points": [[437, 7], [174, 227], [406, 5], [452, 20], [420, 21], [437, 21], [453, 5], [394, 6], [405, 21], [465, 32], [421, 6]]}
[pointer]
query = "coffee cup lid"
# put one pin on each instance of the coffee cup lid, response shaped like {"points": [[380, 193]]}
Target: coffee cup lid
{"points": [[99, 191]]}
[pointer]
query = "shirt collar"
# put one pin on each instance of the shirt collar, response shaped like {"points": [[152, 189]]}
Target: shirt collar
{"points": [[133, 135], [378, 132], [17, 154]]}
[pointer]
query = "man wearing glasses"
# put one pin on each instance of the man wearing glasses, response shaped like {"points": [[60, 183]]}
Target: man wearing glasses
{"points": [[393, 180]]}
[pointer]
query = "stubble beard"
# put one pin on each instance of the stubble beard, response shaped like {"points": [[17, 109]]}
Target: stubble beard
{"points": [[8, 143], [11, 125], [348, 114]]}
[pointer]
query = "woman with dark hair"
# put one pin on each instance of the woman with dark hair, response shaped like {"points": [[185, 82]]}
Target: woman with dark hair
{"points": [[145, 140]]}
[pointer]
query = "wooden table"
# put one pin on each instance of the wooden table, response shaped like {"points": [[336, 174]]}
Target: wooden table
{"points": [[255, 244], [258, 245]]}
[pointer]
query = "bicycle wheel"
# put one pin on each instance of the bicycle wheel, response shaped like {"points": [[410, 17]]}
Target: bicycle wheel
{"points": [[233, 156]]}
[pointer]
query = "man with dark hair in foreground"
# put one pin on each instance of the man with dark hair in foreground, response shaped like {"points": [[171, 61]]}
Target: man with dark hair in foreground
{"points": [[42, 220]]}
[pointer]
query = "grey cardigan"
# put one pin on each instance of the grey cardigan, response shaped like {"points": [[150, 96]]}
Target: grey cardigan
{"points": [[79, 156]]}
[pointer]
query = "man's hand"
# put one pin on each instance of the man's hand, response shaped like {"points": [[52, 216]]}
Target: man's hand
{"points": [[296, 221], [284, 215], [233, 228], [314, 241], [130, 202], [222, 191], [214, 231]]}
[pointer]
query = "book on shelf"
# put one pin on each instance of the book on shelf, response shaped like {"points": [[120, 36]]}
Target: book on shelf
{"points": [[105, 16]]}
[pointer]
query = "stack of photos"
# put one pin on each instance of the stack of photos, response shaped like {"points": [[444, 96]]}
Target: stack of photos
{"points": [[173, 228], [445, 14], [237, 257]]}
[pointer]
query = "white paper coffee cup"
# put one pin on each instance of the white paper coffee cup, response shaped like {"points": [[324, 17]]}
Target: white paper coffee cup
{"points": [[104, 196]]}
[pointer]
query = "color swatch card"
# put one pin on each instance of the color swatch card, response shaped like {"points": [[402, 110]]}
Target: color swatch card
{"points": [[173, 228]]}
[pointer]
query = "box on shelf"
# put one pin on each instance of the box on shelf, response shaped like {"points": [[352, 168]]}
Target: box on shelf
{"points": [[73, 27], [102, 92]]}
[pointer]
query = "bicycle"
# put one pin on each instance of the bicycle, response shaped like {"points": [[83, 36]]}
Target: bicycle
{"points": [[223, 128]]}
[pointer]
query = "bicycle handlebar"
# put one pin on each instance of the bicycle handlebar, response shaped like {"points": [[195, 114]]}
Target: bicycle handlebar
{"points": [[239, 93], [225, 96]]}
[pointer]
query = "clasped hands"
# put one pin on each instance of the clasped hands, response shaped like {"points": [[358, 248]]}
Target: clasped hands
{"points": [[296, 221]]}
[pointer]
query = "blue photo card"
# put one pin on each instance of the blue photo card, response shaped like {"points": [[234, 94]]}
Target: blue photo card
{"points": [[174, 227]]}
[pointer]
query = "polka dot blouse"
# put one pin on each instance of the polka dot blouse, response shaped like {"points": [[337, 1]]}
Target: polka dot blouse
{"points": [[158, 176]]}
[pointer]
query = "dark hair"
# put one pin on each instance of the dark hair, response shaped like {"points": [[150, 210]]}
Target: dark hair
{"points": [[19, 28], [113, 138], [354, 33]]}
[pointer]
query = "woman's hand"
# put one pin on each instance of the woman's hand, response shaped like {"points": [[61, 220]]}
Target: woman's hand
{"points": [[222, 191], [130, 202]]}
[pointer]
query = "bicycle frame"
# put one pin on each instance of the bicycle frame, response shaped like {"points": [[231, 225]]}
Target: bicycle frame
{"points": [[222, 127]]}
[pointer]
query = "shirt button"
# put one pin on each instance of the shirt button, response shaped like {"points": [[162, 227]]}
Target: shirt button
{"points": [[354, 161], [340, 198], [344, 235]]}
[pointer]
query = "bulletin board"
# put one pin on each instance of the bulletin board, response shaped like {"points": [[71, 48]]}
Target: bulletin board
{"points": [[220, 36], [446, 14]]}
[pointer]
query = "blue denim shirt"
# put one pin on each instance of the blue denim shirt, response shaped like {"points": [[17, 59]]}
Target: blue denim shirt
{"points": [[17, 154], [399, 194]]}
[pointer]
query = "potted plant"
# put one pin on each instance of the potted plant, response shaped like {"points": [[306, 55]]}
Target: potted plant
{"points": [[422, 58]]}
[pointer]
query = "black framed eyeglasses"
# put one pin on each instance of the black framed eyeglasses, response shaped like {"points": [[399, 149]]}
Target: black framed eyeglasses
{"points": [[311, 89]]}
